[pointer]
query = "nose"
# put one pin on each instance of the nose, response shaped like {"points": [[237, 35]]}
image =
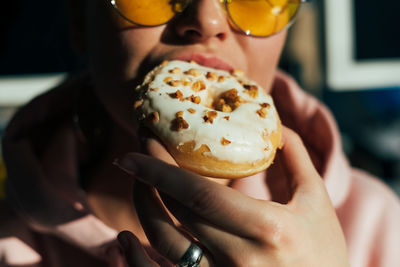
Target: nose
{"points": [[201, 21]]}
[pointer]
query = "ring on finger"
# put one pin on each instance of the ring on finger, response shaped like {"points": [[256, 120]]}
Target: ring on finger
{"points": [[192, 257]]}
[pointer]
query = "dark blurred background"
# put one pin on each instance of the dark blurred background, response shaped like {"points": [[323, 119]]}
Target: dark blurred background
{"points": [[34, 38], [345, 52]]}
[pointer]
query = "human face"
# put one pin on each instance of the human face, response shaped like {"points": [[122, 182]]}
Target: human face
{"points": [[120, 53]]}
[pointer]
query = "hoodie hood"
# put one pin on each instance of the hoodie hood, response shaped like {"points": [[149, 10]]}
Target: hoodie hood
{"points": [[316, 126], [45, 154]]}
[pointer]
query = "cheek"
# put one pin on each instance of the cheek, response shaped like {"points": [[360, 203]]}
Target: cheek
{"points": [[137, 46], [117, 56], [263, 57]]}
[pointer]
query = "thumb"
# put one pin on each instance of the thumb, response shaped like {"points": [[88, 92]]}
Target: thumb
{"points": [[297, 165], [115, 257]]}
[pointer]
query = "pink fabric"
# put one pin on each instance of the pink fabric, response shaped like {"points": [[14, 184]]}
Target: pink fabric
{"points": [[46, 220]]}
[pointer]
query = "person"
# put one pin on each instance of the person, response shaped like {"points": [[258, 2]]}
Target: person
{"points": [[87, 187]]}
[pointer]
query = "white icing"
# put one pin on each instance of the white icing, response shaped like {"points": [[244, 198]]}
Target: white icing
{"points": [[244, 129]]}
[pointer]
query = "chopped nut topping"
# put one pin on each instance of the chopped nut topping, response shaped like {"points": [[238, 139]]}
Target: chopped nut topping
{"points": [[178, 94], [154, 89], [191, 110], [221, 78], [265, 105], [219, 104], [210, 116], [168, 79], [179, 124], [175, 83], [253, 94], [236, 105], [252, 90], [194, 99], [266, 148], [212, 76], [165, 62], [175, 70], [262, 112], [250, 87], [237, 73], [193, 72], [179, 114], [197, 100], [187, 82], [228, 101], [221, 101], [230, 95], [137, 103], [198, 86], [226, 108], [227, 118], [225, 142], [154, 117]]}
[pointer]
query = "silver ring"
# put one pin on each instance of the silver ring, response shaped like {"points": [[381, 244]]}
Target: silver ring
{"points": [[192, 257]]}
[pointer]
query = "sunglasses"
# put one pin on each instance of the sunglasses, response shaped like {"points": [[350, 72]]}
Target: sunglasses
{"points": [[259, 18]]}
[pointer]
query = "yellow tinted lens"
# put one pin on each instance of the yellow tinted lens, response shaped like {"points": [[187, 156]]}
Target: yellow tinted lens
{"points": [[149, 12], [261, 17]]}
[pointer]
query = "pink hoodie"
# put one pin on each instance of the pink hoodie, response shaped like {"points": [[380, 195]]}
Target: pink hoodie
{"points": [[46, 221]]}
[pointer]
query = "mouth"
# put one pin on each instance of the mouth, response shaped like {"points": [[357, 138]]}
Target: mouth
{"points": [[205, 60]]}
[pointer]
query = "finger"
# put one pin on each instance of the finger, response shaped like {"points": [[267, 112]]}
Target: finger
{"points": [[297, 164], [220, 205], [162, 233], [215, 239], [165, 237], [158, 226], [135, 254], [277, 182], [114, 259]]}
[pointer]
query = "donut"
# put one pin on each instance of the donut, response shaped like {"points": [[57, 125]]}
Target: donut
{"points": [[213, 122]]}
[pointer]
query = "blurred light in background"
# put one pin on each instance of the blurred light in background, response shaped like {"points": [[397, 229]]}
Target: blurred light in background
{"points": [[362, 44]]}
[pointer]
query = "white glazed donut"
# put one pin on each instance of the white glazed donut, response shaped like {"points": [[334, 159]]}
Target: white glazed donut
{"points": [[213, 122]]}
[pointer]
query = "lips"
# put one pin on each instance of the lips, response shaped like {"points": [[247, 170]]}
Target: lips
{"points": [[206, 60]]}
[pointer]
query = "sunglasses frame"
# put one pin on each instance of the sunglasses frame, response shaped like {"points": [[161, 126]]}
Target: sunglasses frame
{"points": [[225, 3]]}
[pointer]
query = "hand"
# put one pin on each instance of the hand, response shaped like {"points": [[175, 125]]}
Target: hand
{"points": [[234, 229]]}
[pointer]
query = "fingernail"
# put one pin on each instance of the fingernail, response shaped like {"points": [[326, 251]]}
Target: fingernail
{"points": [[127, 164], [123, 241]]}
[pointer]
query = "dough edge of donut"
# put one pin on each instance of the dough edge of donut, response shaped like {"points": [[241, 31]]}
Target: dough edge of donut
{"points": [[210, 166]]}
